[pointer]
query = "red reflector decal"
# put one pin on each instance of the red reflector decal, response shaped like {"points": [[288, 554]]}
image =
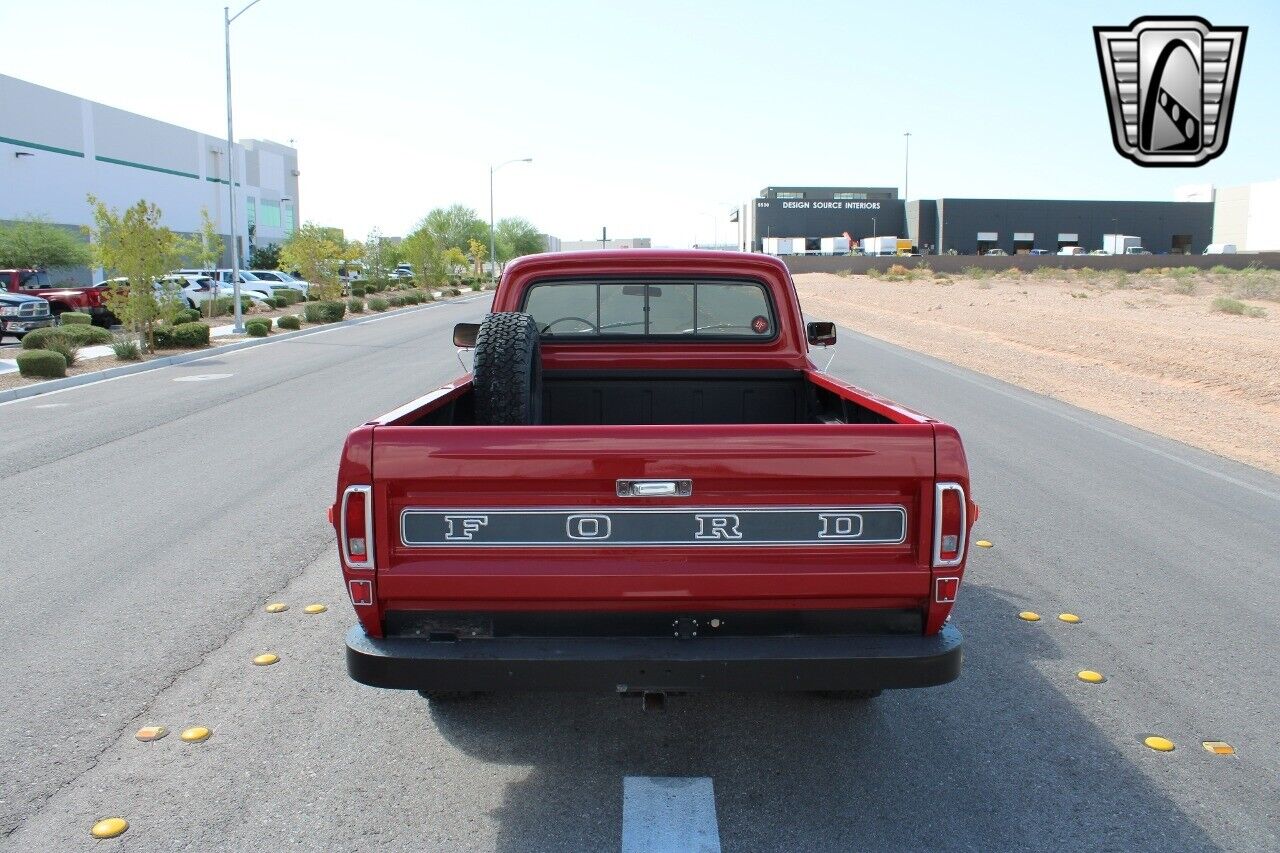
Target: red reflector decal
{"points": [[361, 593], [945, 590]]}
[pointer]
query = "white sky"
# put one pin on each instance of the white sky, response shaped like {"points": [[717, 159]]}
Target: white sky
{"points": [[651, 118]]}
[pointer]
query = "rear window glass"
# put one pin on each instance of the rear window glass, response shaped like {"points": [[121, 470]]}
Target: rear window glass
{"points": [[709, 309]]}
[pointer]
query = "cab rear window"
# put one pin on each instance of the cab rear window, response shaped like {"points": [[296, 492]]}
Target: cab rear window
{"points": [[654, 309]]}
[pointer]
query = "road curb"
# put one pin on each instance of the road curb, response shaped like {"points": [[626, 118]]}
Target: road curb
{"points": [[155, 364]]}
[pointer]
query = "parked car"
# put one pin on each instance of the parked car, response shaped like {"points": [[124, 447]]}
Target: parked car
{"points": [[282, 277], [647, 485], [191, 290], [401, 274], [1038, 252], [1136, 250], [20, 313], [1071, 250], [1220, 249], [248, 281], [997, 253], [91, 300], [1100, 253]]}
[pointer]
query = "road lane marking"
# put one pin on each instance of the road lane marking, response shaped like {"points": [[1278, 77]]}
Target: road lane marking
{"points": [[665, 814], [1158, 743], [203, 377], [1029, 616], [988, 383]]}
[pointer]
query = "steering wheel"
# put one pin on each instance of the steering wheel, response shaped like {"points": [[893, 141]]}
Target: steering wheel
{"points": [[594, 329]]}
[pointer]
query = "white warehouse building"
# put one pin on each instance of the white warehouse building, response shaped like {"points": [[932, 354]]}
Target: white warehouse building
{"points": [[55, 149]]}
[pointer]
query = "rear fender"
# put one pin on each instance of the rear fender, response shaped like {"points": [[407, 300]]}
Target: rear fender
{"points": [[951, 467], [356, 469]]}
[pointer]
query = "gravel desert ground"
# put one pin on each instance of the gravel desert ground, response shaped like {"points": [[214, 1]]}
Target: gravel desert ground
{"points": [[1157, 350]]}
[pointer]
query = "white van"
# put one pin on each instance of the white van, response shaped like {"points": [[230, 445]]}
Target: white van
{"points": [[1071, 250], [1220, 249]]}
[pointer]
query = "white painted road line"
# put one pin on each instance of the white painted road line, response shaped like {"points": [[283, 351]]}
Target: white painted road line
{"points": [[203, 377], [669, 814]]}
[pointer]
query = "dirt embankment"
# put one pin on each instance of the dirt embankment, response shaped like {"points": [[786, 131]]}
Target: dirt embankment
{"points": [[1155, 351]]}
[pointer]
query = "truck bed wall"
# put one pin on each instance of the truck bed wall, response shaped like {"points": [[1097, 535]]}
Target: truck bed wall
{"points": [[763, 397]]}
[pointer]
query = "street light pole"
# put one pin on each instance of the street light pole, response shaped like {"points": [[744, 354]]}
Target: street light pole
{"points": [[493, 242], [227, 18], [906, 168]]}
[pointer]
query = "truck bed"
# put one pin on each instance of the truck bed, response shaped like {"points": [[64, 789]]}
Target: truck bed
{"points": [[681, 397]]}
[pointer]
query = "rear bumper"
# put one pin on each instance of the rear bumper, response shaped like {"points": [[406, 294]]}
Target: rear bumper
{"points": [[629, 664]]}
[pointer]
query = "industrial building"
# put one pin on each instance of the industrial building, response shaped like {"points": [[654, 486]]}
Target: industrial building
{"points": [[612, 243], [968, 225], [55, 149]]}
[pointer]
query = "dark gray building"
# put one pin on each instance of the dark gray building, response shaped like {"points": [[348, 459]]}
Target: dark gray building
{"points": [[971, 225]]}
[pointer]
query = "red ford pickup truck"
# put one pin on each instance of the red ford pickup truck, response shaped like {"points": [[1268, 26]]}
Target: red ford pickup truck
{"points": [[646, 486]]}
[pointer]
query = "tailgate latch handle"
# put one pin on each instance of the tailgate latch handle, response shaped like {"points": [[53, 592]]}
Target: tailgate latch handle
{"points": [[655, 488]]}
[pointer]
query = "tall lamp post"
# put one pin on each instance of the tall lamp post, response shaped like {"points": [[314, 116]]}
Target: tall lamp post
{"points": [[227, 18], [493, 242]]}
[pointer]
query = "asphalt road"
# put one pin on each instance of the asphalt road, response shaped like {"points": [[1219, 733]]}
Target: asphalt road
{"points": [[149, 520]]}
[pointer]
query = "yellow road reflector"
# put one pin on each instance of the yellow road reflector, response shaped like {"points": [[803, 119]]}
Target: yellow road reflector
{"points": [[109, 827], [1029, 616], [276, 607], [1068, 617], [1090, 676], [1218, 747], [314, 608], [982, 543], [195, 734], [1159, 744], [146, 734], [265, 659]]}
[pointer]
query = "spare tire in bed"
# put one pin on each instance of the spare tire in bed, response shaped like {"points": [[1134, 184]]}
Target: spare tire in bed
{"points": [[507, 375]]}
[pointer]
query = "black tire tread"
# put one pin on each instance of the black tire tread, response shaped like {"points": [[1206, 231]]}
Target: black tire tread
{"points": [[507, 370]]}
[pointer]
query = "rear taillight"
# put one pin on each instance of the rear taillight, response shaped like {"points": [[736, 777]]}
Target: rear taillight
{"points": [[949, 525], [356, 529]]}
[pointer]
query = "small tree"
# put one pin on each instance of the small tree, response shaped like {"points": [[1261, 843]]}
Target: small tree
{"points": [[135, 245], [516, 237], [203, 250], [478, 251], [36, 244], [312, 251], [265, 257], [452, 259]]}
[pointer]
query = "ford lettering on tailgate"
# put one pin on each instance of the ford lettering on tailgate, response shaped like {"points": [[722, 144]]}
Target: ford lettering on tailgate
{"points": [[631, 527]]}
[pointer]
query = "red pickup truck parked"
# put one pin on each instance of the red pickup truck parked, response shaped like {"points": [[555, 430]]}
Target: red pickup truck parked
{"points": [[646, 486], [91, 300]]}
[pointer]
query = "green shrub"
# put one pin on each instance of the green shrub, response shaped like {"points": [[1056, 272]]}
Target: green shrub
{"points": [[378, 304], [258, 327], [325, 312], [126, 349], [182, 336], [396, 300], [42, 363], [84, 336], [358, 290], [355, 305], [974, 271], [223, 305], [1227, 305], [1221, 269], [65, 346], [186, 315], [289, 321], [74, 318]]}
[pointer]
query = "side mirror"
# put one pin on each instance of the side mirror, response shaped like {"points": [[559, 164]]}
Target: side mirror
{"points": [[464, 335], [822, 334]]}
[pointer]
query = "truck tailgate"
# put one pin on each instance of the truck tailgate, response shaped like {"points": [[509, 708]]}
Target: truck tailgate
{"points": [[799, 515]]}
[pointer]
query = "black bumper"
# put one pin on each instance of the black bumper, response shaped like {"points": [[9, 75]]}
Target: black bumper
{"points": [[630, 664]]}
